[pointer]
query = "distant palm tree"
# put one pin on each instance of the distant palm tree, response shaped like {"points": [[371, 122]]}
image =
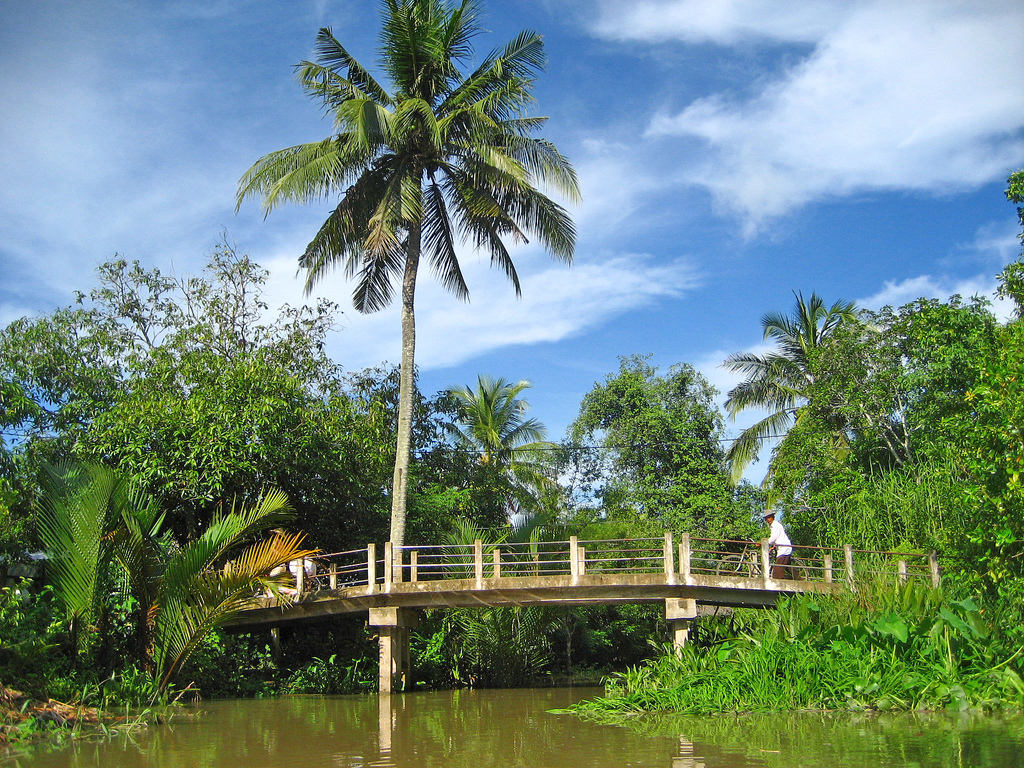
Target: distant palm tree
{"points": [[779, 380], [444, 157], [494, 427]]}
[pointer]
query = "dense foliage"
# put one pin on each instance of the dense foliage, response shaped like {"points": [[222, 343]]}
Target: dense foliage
{"points": [[905, 435], [192, 387]]}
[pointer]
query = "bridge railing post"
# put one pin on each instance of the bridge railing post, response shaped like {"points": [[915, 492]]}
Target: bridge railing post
{"points": [[684, 558], [828, 567], [933, 567], [668, 557], [478, 562], [848, 556], [332, 579], [300, 577], [574, 557], [414, 570], [901, 571], [389, 573], [497, 564], [371, 567], [766, 562]]}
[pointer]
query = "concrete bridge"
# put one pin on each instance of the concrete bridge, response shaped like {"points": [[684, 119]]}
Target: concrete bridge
{"points": [[683, 575]]}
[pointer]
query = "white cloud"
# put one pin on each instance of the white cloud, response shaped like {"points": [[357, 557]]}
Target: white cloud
{"points": [[993, 246], [720, 21], [997, 244], [919, 94], [558, 302], [612, 185]]}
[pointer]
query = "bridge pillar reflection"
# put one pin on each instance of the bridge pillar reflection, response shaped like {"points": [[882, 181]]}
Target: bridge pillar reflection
{"points": [[393, 625], [680, 613]]}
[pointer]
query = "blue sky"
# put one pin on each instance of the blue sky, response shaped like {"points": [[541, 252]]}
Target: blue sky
{"points": [[730, 153]]}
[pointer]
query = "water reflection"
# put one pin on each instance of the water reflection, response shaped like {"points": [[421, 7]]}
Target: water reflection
{"points": [[687, 758], [513, 729]]}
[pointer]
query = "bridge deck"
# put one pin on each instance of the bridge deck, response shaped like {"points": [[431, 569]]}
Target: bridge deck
{"points": [[523, 591]]}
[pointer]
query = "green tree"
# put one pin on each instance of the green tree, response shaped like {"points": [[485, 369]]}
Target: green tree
{"points": [[445, 156], [508, 447], [658, 456], [191, 385], [778, 381], [202, 430], [891, 385], [888, 382], [991, 440], [994, 444], [16, 409]]}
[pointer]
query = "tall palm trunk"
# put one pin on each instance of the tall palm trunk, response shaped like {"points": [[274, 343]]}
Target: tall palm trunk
{"points": [[406, 389]]}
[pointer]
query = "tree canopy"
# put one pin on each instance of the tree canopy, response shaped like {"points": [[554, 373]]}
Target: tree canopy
{"points": [[650, 445]]}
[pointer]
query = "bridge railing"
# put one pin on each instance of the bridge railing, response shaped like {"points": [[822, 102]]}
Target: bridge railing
{"points": [[718, 557], [906, 566], [618, 556], [694, 556], [336, 570]]}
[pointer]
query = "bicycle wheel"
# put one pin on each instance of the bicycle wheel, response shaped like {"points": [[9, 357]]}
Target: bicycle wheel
{"points": [[730, 565]]}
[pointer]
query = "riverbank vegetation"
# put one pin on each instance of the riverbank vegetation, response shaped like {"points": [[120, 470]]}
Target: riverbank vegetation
{"points": [[897, 648], [904, 434]]}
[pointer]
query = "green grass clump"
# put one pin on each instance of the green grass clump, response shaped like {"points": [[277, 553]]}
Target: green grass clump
{"points": [[904, 649]]}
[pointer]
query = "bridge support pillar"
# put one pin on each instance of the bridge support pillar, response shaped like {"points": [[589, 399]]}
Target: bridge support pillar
{"points": [[393, 625], [680, 613]]}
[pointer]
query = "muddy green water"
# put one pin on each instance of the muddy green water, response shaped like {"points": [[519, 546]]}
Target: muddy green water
{"points": [[481, 729]]}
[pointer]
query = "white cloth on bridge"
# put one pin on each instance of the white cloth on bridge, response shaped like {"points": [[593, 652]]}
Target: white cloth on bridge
{"points": [[303, 563], [779, 539]]}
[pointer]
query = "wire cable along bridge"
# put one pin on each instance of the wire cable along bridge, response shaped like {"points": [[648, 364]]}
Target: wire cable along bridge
{"points": [[395, 583]]}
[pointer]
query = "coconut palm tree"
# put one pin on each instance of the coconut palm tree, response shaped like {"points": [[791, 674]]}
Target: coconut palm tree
{"points": [[779, 381], [445, 157], [495, 428]]}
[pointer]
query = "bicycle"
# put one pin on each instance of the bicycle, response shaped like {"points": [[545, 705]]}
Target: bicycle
{"points": [[747, 564], [743, 564]]}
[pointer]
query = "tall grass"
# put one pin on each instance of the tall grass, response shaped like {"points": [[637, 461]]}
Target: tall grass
{"points": [[911, 509]]}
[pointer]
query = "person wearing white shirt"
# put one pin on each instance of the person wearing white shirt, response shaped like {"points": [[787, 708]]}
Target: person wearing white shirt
{"points": [[779, 541]]}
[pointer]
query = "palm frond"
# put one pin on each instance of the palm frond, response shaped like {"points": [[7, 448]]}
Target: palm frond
{"points": [[439, 242], [301, 174], [77, 512], [195, 596], [780, 380], [747, 446], [332, 55]]}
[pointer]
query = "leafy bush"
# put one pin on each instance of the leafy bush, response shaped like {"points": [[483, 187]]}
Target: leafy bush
{"points": [[331, 676]]}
